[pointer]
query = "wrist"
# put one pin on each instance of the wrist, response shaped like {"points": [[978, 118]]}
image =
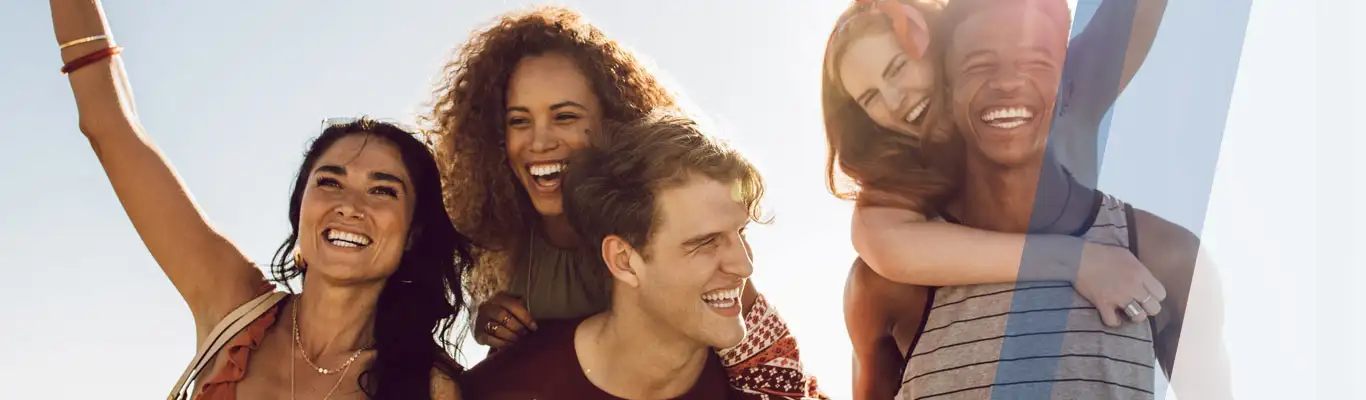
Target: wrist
{"points": [[1051, 258]]}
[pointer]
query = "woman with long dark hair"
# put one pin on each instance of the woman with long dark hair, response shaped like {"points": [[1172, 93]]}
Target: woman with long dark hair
{"points": [[377, 258]]}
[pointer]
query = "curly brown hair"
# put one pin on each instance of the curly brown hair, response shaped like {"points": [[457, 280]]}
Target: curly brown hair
{"points": [[887, 168], [468, 131]]}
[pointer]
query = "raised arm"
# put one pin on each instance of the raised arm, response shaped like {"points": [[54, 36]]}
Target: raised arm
{"points": [[1195, 309], [1108, 52], [902, 246], [209, 271]]}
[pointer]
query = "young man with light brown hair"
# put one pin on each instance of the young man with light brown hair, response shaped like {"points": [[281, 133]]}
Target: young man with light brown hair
{"points": [[667, 206]]}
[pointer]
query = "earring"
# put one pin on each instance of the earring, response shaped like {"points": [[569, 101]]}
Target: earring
{"points": [[299, 259]]}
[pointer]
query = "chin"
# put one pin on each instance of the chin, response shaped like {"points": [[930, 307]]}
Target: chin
{"points": [[1016, 158], [351, 269], [548, 207], [347, 274], [726, 335]]}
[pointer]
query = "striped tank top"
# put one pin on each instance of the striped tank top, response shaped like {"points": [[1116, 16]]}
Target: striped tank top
{"points": [[1031, 340]]}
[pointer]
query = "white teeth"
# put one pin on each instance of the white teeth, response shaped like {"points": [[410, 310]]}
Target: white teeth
{"points": [[540, 170], [1006, 125], [347, 239], [1008, 112], [725, 296], [919, 109]]}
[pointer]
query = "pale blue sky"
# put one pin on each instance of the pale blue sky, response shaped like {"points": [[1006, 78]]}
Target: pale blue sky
{"points": [[232, 90]]}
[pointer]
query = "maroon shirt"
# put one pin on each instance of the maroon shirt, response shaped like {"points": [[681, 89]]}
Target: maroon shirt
{"points": [[545, 366]]}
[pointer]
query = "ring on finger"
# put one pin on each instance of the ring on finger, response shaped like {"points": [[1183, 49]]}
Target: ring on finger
{"points": [[1133, 309], [492, 327], [505, 319]]}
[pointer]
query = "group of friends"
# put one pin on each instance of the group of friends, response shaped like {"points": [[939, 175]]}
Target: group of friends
{"points": [[595, 233]]}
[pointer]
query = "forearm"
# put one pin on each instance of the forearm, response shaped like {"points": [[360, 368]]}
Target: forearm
{"points": [[103, 96], [1147, 18], [1113, 46], [945, 254]]}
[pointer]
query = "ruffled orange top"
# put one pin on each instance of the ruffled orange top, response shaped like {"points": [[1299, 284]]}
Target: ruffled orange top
{"points": [[222, 385]]}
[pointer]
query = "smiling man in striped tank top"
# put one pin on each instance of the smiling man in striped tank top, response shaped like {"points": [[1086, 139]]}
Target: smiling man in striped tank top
{"points": [[1003, 60]]}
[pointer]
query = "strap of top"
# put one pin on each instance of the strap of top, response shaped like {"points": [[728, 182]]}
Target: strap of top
{"points": [[226, 329]]}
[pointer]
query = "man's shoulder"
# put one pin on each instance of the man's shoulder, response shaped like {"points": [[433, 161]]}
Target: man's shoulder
{"points": [[1163, 244], [549, 349], [874, 300]]}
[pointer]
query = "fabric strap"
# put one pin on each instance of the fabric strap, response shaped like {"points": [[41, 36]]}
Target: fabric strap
{"points": [[235, 322]]}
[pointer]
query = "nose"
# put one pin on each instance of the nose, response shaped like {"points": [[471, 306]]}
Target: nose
{"points": [[349, 208], [891, 96], [738, 261], [1007, 79], [543, 138]]}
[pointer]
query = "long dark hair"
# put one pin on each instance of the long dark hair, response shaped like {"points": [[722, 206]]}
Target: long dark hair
{"points": [[421, 300]]}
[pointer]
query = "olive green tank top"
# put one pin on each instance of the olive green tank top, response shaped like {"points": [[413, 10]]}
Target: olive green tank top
{"points": [[559, 283]]}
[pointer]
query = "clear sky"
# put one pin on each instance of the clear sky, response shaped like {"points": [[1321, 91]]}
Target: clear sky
{"points": [[231, 91]]}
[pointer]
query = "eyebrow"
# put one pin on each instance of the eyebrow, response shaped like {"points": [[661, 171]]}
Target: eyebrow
{"points": [[553, 107], [978, 53], [867, 95], [888, 68], [1040, 49], [1034, 49], [379, 176], [700, 239]]}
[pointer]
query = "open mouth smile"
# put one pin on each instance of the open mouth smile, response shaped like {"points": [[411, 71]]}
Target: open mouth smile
{"points": [[724, 299], [340, 238], [917, 114], [1008, 117], [546, 175]]}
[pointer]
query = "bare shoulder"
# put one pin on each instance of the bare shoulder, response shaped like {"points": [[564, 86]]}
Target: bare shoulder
{"points": [[444, 386], [1164, 246], [1169, 251], [874, 302]]}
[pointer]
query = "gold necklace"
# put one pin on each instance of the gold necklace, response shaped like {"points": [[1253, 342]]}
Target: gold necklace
{"points": [[291, 372], [298, 341]]}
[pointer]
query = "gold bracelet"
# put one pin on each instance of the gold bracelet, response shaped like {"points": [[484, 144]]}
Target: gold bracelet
{"points": [[83, 40]]}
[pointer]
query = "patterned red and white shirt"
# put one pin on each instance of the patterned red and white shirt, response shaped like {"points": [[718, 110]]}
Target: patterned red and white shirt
{"points": [[767, 365]]}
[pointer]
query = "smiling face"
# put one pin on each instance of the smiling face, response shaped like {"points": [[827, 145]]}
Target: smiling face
{"points": [[1003, 70], [698, 262], [893, 89], [551, 108], [356, 210]]}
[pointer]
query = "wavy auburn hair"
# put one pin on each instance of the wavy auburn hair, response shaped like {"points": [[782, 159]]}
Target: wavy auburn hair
{"points": [[887, 168], [468, 129]]}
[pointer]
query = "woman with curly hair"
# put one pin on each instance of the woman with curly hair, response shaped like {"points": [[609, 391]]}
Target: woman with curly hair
{"points": [[517, 100]]}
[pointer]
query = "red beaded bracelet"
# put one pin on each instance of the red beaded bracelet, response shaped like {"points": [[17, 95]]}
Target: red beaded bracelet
{"points": [[91, 58]]}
